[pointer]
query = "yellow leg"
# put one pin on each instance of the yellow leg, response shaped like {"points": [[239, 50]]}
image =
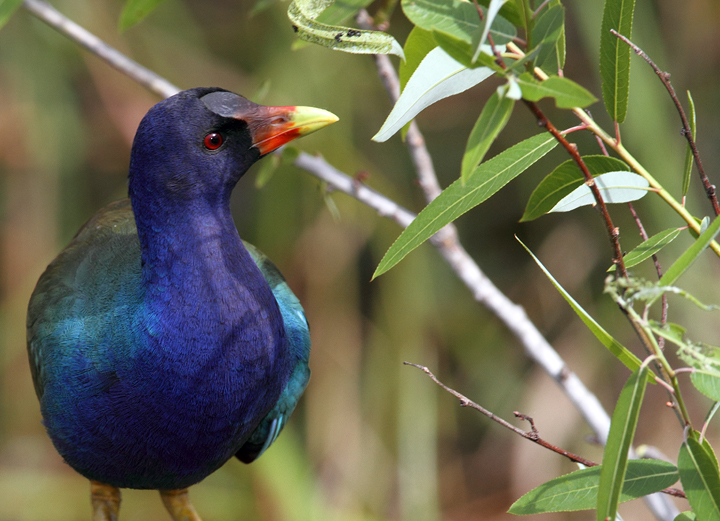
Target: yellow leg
{"points": [[105, 501], [178, 504]]}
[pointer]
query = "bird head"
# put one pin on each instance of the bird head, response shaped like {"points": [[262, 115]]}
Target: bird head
{"points": [[198, 143]]}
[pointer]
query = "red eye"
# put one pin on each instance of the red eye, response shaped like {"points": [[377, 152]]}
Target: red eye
{"points": [[213, 141]]}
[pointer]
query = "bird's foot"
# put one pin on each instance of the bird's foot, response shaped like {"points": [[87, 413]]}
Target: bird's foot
{"points": [[178, 504], [105, 501]]}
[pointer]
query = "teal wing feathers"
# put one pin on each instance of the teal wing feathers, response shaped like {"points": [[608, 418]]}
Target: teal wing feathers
{"points": [[60, 313], [298, 335]]}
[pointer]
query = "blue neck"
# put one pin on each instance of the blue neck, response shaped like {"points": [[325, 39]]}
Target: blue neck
{"points": [[204, 296]]}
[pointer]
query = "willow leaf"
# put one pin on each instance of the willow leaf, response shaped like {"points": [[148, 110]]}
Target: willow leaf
{"points": [[630, 361], [648, 248], [622, 431], [700, 479], [438, 76], [692, 253], [614, 187], [458, 198], [689, 153], [563, 180], [615, 56], [492, 120], [566, 92], [578, 490]]}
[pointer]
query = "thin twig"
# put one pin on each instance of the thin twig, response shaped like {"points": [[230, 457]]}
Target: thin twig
{"points": [[658, 270], [687, 131], [95, 45], [532, 435], [571, 149]]}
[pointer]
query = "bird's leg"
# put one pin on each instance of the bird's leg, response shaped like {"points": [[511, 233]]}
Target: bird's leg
{"points": [[178, 504], [105, 501]]}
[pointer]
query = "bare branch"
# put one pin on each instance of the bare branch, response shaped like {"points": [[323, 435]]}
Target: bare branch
{"points": [[95, 45], [533, 435], [687, 131]]}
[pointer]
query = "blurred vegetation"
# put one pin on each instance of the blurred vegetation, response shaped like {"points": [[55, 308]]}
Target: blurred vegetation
{"points": [[372, 439]]}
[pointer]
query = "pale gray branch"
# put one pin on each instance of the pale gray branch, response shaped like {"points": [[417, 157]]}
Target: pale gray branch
{"points": [[95, 45]]}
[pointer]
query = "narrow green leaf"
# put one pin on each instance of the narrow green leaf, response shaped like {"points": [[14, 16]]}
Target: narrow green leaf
{"points": [[492, 120], [622, 431], [692, 253], [707, 384], [615, 56], [566, 92], [578, 490], [456, 17], [418, 44], [549, 28], [563, 180], [630, 361], [7, 9], [458, 198], [648, 248], [685, 516], [560, 44], [437, 77], [700, 479], [614, 187], [526, 20], [692, 120], [135, 11], [339, 38]]}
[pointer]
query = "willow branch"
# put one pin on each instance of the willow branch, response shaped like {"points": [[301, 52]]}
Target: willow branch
{"points": [[533, 434], [571, 149], [687, 131], [113, 57]]}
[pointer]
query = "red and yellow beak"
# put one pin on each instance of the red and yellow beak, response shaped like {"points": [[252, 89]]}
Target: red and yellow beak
{"points": [[272, 127], [269, 127]]}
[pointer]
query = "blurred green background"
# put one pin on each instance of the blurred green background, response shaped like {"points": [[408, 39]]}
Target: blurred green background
{"points": [[372, 439]]}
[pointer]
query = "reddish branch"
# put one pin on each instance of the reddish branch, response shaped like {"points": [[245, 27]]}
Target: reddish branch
{"points": [[658, 269], [687, 131], [533, 435], [571, 148]]}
